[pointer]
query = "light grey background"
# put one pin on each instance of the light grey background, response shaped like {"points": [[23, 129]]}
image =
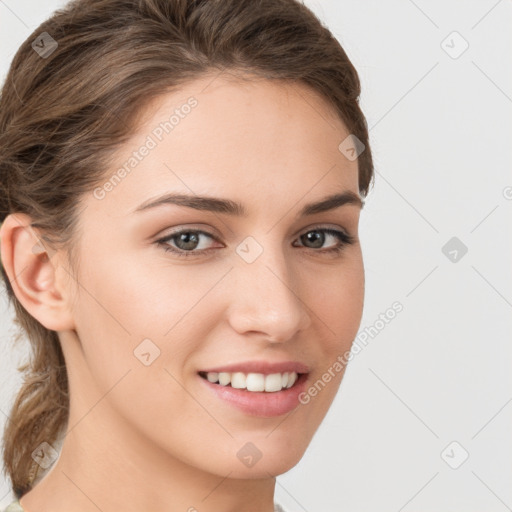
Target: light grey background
{"points": [[441, 131]]}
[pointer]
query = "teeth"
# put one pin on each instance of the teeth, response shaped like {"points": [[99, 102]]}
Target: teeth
{"points": [[213, 377], [292, 377], [273, 382], [256, 382], [238, 380], [224, 378]]}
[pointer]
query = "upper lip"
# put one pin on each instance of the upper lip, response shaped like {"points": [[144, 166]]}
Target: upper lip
{"points": [[265, 367]]}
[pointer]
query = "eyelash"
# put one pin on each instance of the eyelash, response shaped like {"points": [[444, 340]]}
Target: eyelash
{"points": [[344, 238]]}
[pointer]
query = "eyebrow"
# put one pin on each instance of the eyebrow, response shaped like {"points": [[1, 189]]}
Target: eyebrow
{"points": [[229, 207]]}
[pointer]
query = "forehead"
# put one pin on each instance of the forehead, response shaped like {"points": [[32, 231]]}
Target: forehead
{"points": [[256, 139]]}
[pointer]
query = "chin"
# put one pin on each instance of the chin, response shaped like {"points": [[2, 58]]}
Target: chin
{"points": [[269, 466], [264, 455]]}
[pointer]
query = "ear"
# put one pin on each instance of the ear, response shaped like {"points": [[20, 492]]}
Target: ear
{"points": [[37, 279]]}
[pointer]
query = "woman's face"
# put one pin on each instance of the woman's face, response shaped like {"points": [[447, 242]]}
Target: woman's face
{"points": [[160, 317]]}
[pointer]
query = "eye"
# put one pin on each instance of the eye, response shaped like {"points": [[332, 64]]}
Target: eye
{"points": [[186, 242], [317, 238]]}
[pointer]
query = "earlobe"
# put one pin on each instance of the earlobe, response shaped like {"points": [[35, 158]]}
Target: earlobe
{"points": [[33, 272]]}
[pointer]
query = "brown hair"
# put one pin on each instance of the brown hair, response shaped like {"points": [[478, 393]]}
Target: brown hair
{"points": [[62, 115]]}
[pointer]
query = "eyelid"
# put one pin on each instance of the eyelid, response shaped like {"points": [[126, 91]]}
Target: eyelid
{"points": [[188, 227], [321, 225]]}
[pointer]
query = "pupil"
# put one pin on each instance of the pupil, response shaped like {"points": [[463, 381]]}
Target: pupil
{"points": [[188, 238], [316, 237]]}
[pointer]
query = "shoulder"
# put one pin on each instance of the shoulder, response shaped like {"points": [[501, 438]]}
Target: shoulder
{"points": [[13, 507]]}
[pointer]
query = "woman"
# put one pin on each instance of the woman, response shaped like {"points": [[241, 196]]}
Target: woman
{"points": [[181, 190]]}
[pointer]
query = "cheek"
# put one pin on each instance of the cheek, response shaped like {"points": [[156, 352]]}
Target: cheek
{"points": [[123, 303], [135, 296], [338, 306], [137, 334], [340, 303]]}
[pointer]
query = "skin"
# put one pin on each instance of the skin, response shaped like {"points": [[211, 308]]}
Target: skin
{"points": [[151, 437]]}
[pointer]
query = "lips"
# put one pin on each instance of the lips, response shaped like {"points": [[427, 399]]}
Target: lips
{"points": [[258, 388], [265, 367]]}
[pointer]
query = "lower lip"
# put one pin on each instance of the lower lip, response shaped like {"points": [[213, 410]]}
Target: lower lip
{"points": [[262, 404]]}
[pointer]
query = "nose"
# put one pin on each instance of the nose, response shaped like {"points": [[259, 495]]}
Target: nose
{"points": [[266, 299]]}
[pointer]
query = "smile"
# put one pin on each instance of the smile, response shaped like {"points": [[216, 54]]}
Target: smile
{"points": [[269, 394]]}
